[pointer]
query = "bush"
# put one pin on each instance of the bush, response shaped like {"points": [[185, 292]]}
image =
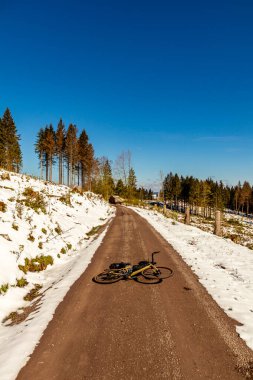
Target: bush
{"points": [[44, 231], [77, 189], [19, 209], [4, 288], [58, 230], [63, 250], [5, 176], [40, 245], [15, 226], [234, 237], [31, 237], [34, 200], [3, 206], [69, 246], [37, 264], [234, 222], [66, 199], [22, 282], [93, 231]]}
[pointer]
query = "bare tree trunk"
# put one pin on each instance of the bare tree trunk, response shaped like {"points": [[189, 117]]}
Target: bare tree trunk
{"points": [[187, 215], [217, 228], [41, 165], [60, 169], [50, 169]]}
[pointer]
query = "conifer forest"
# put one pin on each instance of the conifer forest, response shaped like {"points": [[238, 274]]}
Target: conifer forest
{"points": [[67, 157]]}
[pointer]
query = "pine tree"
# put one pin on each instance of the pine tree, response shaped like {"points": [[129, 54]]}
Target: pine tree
{"points": [[131, 183], [71, 152], [245, 196], [49, 147], [90, 165], [105, 184], [59, 148], [120, 189], [2, 145], [40, 148], [10, 155], [83, 155]]}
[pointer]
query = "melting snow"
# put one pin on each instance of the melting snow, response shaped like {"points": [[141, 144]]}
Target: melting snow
{"points": [[223, 267]]}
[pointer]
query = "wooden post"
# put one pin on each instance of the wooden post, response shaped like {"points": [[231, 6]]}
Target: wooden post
{"points": [[217, 227], [187, 215], [164, 210]]}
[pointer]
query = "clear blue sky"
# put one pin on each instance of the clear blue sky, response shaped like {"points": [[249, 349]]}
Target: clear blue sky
{"points": [[172, 81]]}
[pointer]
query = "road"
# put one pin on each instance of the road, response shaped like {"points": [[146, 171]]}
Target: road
{"points": [[127, 330]]}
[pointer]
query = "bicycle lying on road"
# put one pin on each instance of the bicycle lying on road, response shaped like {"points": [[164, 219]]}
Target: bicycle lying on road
{"points": [[145, 272]]}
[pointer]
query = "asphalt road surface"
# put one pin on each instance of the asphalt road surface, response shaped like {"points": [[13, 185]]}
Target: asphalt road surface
{"points": [[127, 330]]}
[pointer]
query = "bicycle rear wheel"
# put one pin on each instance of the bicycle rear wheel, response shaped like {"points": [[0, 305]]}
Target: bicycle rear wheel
{"points": [[158, 272], [148, 280], [108, 277]]}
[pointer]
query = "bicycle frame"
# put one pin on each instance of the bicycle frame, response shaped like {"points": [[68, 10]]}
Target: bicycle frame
{"points": [[130, 275], [135, 273]]}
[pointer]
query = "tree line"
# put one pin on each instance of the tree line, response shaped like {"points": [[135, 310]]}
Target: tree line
{"points": [[10, 152], [74, 157], [178, 190], [72, 153]]}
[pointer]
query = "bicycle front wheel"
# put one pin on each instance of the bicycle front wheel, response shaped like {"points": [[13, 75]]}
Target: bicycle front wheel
{"points": [[157, 272], [108, 277]]}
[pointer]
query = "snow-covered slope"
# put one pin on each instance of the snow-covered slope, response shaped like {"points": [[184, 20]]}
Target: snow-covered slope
{"points": [[223, 267], [46, 243]]}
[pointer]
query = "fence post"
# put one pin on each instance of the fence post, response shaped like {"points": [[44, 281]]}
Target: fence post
{"points": [[187, 215], [217, 227]]}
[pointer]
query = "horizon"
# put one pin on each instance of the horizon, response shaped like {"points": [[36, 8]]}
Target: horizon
{"points": [[172, 83]]}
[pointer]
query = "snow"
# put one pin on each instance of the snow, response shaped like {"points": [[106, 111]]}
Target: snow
{"points": [[224, 268], [74, 222]]}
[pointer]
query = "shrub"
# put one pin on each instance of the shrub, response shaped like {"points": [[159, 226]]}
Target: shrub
{"points": [[40, 245], [34, 200], [15, 226], [63, 250], [4, 288], [31, 237], [66, 199], [69, 246], [77, 189], [234, 222], [58, 229], [37, 264], [19, 210], [44, 231], [93, 231], [22, 282], [3, 206], [5, 176], [234, 237]]}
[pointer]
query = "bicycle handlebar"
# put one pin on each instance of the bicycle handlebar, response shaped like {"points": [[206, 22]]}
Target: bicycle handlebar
{"points": [[153, 254]]}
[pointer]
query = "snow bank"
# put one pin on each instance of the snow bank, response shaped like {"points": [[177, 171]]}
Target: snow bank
{"points": [[223, 267], [59, 228]]}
